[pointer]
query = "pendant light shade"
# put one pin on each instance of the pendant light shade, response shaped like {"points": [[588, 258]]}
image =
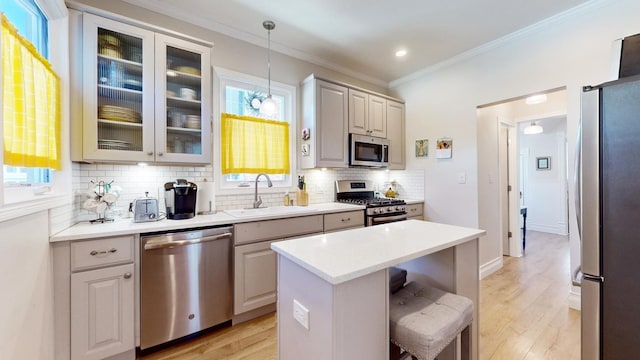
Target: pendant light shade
{"points": [[533, 129], [269, 106]]}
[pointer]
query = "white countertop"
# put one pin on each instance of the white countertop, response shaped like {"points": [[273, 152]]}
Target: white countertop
{"points": [[345, 255], [86, 230]]}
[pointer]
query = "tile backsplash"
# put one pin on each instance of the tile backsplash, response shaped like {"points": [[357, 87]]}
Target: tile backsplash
{"points": [[136, 180]]}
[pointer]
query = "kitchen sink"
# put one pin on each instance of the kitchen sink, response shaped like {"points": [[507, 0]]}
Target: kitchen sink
{"points": [[269, 211]]}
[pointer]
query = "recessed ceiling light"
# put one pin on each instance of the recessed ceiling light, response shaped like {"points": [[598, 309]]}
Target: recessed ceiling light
{"points": [[401, 53]]}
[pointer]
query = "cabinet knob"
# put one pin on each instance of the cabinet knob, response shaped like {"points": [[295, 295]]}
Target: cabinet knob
{"points": [[127, 275]]}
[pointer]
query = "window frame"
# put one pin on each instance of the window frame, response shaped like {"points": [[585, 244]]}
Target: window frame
{"points": [[25, 200], [224, 77]]}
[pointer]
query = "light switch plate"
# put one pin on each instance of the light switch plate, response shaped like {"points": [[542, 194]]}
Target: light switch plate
{"points": [[301, 314], [462, 178]]}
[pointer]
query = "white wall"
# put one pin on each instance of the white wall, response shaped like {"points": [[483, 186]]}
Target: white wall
{"points": [[26, 303], [544, 192], [572, 50]]}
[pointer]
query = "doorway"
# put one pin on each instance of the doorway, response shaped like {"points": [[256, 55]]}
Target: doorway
{"points": [[500, 131]]}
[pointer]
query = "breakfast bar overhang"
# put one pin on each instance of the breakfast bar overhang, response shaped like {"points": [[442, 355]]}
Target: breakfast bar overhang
{"points": [[333, 289]]}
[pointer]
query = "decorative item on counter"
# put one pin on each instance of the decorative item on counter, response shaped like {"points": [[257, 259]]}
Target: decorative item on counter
{"points": [[100, 199], [302, 196], [390, 193], [287, 199]]}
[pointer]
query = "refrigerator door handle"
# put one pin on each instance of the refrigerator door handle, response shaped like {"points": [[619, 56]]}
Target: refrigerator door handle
{"points": [[577, 180], [595, 278], [590, 182]]}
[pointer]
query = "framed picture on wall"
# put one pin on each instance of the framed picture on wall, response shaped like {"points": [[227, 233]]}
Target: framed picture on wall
{"points": [[543, 163], [422, 148]]}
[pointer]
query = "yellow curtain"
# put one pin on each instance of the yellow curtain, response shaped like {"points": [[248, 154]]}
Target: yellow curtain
{"points": [[31, 104], [253, 145]]}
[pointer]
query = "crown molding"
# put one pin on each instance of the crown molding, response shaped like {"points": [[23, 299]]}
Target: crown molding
{"points": [[531, 29], [236, 33]]}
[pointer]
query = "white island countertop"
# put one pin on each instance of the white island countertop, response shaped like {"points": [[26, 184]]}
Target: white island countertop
{"points": [[342, 256]]}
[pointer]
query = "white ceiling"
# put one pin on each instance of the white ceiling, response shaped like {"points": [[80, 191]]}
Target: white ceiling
{"points": [[360, 37]]}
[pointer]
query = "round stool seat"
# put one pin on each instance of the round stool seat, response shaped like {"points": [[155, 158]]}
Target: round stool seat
{"points": [[423, 320]]}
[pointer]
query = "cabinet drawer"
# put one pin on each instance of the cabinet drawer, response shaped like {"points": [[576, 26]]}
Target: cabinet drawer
{"points": [[415, 210], [277, 229], [100, 252], [343, 220]]}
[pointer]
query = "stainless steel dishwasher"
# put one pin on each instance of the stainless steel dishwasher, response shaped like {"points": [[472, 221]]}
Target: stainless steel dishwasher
{"points": [[185, 283]]}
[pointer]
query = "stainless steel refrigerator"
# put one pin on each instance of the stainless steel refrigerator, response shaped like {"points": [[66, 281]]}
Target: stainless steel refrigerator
{"points": [[608, 211]]}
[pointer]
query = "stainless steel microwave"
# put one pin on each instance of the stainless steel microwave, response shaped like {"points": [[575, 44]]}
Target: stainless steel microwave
{"points": [[368, 151]]}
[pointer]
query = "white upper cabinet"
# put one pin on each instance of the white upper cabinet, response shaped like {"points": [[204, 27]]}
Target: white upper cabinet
{"points": [[395, 134], [325, 114], [367, 114], [145, 96]]}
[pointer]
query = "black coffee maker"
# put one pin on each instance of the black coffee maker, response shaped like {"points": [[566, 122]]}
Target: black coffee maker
{"points": [[180, 199]]}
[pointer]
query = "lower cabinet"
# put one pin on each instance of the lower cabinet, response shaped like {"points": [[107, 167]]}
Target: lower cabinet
{"points": [[415, 211], [255, 276], [102, 312], [343, 220]]}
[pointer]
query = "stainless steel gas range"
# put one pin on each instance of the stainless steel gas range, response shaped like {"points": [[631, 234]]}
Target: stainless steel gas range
{"points": [[378, 210]]}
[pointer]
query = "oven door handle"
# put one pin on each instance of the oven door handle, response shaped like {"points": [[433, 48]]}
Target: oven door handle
{"points": [[386, 219], [171, 244]]}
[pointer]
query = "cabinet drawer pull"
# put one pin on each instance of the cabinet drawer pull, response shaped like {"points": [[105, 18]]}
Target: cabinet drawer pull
{"points": [[150, 153], [345, 220], [110, 251], [127, 275]]}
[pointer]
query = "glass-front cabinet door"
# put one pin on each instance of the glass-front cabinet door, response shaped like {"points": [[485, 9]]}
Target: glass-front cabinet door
{"points": [[146, 96], [183, 101], [118, 91]]}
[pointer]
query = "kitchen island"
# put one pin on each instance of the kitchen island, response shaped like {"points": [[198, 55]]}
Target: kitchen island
{"points": [[333, 292]]}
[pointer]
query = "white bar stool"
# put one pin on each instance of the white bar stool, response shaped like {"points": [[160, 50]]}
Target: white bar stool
{"points": [[423, 320]]}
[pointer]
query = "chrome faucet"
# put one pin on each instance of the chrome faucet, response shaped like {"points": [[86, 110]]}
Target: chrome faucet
{"points": [[257, 200]]}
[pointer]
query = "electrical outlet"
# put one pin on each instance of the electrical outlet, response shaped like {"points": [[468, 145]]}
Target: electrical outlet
{"points": [[301, 314]]}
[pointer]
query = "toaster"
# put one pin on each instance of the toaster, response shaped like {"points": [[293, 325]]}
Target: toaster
{"points": [[145, 209]]}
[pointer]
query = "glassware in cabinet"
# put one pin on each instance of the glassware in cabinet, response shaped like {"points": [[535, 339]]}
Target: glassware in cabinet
{"points": [[186, 106], [117, 91]]}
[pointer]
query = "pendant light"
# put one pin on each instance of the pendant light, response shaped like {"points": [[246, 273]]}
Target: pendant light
{"points": [[268, 106], [533, 129]]}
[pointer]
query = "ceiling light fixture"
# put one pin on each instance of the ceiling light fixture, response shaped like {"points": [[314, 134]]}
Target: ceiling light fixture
{"points": [[401, 53], [536, 99], [533, 129], [268, 106]]}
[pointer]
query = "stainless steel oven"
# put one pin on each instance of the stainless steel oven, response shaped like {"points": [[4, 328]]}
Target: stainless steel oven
{"points": [[378, 210]]}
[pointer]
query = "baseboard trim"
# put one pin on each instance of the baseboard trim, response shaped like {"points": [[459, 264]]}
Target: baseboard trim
{"points": [[490, 267], [559, 230]]}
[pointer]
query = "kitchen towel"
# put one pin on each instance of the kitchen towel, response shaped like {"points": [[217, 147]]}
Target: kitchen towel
{"points": [[206, 200]]}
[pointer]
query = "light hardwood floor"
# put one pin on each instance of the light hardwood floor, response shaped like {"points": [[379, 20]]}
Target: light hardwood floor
{"points": [[524, 314]]}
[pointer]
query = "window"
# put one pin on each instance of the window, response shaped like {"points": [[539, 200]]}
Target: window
{"points": [[32, 24], [241, 95]]}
